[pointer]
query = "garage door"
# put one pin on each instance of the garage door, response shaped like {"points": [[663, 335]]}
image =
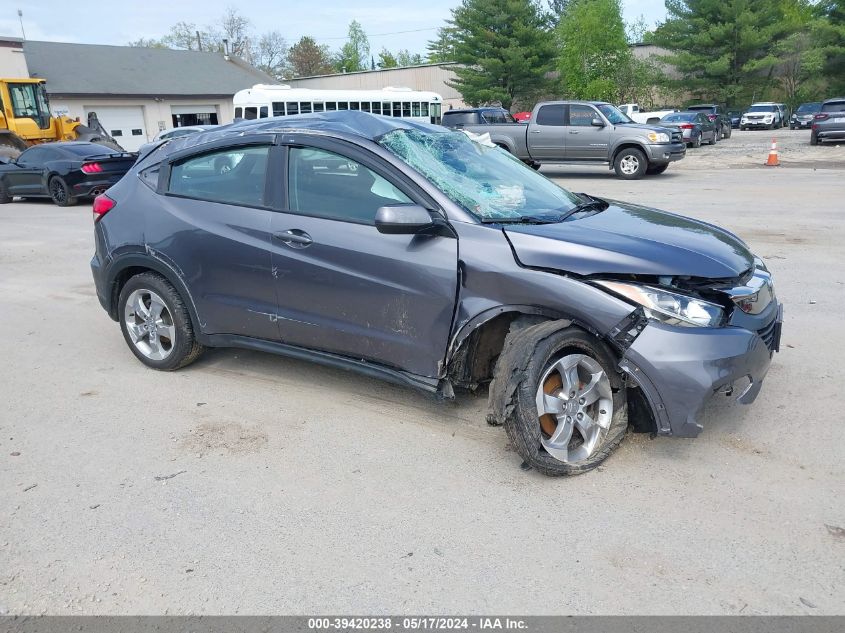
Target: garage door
{"points": [[124, 123]]}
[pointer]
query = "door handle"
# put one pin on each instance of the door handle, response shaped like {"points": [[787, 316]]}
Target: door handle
{"points": [[294, 238], [535, 131], [573, 131]]}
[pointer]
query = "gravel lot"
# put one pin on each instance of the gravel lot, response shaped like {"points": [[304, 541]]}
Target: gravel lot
{"points": [[249, 483]]}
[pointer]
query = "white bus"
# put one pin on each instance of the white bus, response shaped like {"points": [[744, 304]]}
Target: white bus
{"points": [[263, 101]]}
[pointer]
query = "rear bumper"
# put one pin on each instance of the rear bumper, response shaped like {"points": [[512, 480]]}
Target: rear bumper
{"points": [[680, 369], [95, 186], [836, 133]]}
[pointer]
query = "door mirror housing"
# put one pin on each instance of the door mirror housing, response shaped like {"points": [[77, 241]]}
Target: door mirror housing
{"points": [[403, 219], [597, 122]]}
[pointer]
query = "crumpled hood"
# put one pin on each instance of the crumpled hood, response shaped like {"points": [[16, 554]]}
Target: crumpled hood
{"points": [[630, 239]]}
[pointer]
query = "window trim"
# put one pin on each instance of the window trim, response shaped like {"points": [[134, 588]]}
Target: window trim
{"points": [[361, 155], [270, 196]]}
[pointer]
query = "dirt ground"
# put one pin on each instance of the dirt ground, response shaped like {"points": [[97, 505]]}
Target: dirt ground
{"points": [[250, 483]]}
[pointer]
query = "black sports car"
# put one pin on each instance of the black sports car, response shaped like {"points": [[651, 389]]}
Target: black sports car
{"points": [[63, 172]]}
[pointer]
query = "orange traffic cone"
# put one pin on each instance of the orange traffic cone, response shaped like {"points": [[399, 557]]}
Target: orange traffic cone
{"points": [[773, 155]]}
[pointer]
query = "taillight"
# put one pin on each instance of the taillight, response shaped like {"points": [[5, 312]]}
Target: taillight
{"points": [[92, 168], [687, 126], [102, 205], [821, 116], [712, 117]]}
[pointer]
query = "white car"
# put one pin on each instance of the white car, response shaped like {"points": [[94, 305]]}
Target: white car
{"points": [[762, 115], [632, 110]]}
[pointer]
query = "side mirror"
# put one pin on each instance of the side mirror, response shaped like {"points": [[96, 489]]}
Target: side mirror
{"points": [[403, 219], [597, 122]]}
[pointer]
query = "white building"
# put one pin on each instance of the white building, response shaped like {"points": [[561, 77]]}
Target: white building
{"points": [[136, 92]]}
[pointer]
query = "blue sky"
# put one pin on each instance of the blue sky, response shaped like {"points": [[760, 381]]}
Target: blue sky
{"points": [[125, 20]]}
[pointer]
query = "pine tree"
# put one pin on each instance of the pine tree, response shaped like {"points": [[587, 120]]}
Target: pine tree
{"points": [[505, 49], [725, 49]]}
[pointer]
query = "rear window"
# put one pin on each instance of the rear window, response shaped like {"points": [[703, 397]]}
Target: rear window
{"points": [[235, 175], [84, 150], [498, 116], [834, 106], [702, 108], [679, 117], [460, 118]]}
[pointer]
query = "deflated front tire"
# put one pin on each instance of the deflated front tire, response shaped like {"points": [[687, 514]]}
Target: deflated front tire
{"points": [[556, 391]]}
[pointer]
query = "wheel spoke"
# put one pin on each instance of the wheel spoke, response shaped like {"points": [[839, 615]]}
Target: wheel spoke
{"points": [[567, 367], [136, 332], [165, 330], [552, 404], [563, 433], [590, 431], [155, 308], [595, 389], [140, 308], [558, 444]]}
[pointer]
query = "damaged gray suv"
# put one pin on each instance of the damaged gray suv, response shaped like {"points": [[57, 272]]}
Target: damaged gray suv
{"points": [[424, 256]]}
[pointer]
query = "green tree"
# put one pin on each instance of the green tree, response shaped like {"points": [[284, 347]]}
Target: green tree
{"points": [[442, 48], [306, 58], [407, 58], [594, 50], [386, 59], [353, 56], [724, 49], [505, 50], [830, 37]]}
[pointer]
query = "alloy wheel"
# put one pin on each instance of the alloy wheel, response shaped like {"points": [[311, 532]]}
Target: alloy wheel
{"points": [[150, 324], [575, 407], [58, 191], [629, 164]]}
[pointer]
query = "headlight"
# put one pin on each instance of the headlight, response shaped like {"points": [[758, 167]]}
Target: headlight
{"points": [[670, 307], [769, 117], [658, 137]]}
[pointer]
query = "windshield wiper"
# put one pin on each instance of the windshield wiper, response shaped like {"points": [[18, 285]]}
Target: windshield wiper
{"points": [[593, 204], [525, 219]]}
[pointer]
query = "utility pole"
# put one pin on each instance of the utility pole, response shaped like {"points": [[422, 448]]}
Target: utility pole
{"points": [[20, 17]]}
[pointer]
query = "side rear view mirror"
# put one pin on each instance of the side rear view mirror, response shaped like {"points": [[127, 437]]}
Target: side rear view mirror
{"points": [[403, 219], [597, 122]]}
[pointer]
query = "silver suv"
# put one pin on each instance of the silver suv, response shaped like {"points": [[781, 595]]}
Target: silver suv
{"points": [[829, 123]]}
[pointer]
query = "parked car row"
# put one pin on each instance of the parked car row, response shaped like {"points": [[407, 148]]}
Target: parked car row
{"points": [[696, 127]]}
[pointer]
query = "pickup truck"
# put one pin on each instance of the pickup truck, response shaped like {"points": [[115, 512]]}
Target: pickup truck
{"points": [[633, 112], [587, 132]]}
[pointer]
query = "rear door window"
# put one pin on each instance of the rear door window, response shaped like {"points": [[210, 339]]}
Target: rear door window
{"points": [[235, 175], [551, 115]]}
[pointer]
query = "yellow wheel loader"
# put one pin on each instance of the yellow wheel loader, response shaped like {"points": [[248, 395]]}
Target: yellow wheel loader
{"points": [[25, 120]]}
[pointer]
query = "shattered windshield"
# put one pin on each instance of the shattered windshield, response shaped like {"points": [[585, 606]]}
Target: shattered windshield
{"points": [[482, 178]]}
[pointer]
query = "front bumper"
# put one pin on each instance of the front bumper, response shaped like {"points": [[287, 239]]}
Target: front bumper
{"points": [[757, 123], [801, 124], [666, 152], [680, 369]]}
